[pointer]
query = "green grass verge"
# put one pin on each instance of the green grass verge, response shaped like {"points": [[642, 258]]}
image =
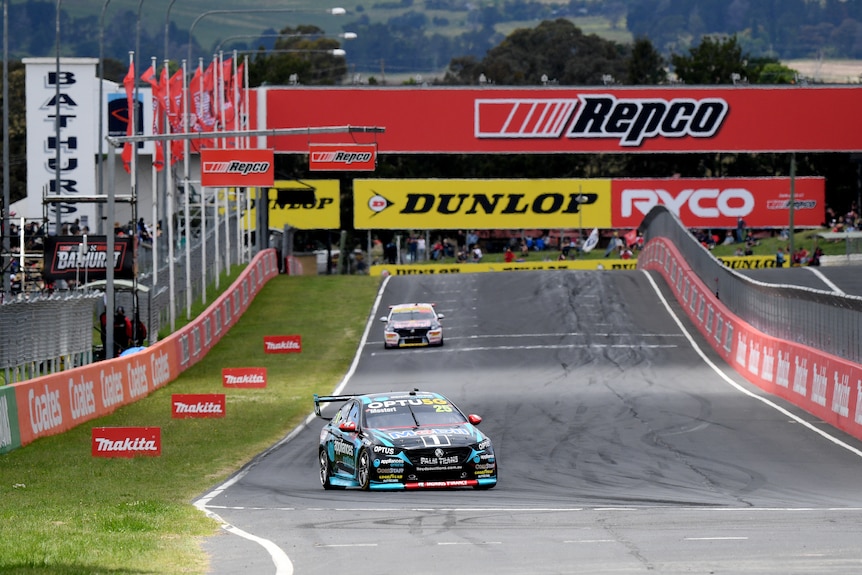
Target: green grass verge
{"points": [[63, 511]]}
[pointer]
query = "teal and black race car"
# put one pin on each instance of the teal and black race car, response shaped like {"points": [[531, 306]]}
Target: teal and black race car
{"points": [[403, 440]]}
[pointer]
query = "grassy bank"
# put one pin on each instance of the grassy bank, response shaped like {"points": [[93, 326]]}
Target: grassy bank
{"points": [[63, 511]]}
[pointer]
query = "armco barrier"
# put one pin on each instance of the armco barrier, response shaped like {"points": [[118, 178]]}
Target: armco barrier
{"points": [[824, 385], [55, 403]]}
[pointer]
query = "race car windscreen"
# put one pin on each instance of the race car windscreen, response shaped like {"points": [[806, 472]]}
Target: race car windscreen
{"points": [[412, 413], [412, 315]]}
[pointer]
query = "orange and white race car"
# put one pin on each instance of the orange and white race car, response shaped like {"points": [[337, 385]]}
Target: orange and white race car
{"points": [[412, 324]]}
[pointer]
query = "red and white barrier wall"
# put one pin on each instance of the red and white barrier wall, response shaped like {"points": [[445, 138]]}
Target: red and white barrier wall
{"points": [[55, 403], [822, 384]]}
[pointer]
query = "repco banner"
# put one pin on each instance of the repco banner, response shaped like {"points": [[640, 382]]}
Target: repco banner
{"points": [[70, 258], [536, 120], [244, 377], [282, 344], [481, 204], [721, 202], [237, 168], [342, 157], [126, 441]]}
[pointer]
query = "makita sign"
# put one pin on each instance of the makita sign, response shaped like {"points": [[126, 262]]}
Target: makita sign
{"points": [[244, 377], [342, 157], [282, 344], [237, 168], [126, 441], [201, 405], [628, 120]]}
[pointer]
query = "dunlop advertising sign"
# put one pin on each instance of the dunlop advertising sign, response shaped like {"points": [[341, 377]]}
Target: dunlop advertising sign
{"points": [[304, 205], [482, 204]]}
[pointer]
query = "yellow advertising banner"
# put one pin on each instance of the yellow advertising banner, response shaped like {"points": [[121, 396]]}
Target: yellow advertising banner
{"points": [[454, 268], [481, 204], [304, 204]]}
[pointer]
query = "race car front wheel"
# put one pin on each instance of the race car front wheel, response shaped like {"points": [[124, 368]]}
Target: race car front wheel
{"points": [[363, 470]]}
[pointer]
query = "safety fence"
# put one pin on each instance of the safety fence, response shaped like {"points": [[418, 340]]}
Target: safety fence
{"points": [[57, 402], [41, 333], [815, 380], [822, 320]]}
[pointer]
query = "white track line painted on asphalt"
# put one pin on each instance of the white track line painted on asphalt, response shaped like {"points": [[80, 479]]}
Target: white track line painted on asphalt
{"points": [[826, 280], [283, 564]]}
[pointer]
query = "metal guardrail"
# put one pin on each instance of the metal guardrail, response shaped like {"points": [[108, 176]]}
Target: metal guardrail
{"points": [[42, 334], [820, 319]]}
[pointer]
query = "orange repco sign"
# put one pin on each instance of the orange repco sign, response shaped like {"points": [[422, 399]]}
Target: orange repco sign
{"points": [[342, 157], [237, 168]]}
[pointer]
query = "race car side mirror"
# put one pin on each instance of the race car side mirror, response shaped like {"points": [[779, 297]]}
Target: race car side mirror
{"points": [[384, 318], [474, 419], [348, 426], [440, 316]]}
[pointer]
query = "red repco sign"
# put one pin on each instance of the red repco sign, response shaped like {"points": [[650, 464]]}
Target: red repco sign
{"points": [[243, 377], [126, 441], [282, 344], [342, 157], [197, 405], [237, 168], [628, 120]]}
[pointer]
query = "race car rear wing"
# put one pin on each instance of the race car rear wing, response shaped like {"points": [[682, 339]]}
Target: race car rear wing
{"points": [[318, 399]]}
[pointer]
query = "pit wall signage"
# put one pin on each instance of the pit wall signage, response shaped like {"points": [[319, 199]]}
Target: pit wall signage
{"points": [[342, 157], [55, 403], [824, 385], [302, 204], [237, 167], [505, 120], [585, 203]]}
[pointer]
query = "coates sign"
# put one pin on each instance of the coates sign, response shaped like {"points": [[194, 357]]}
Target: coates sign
{"points": [[539, 120], [197, 405], [243, 377], [282, 344], [719, 203], [236, 167], [126, 441], [342, 157]]}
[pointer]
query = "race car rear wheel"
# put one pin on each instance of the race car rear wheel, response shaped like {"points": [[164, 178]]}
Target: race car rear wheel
{"points": [[363, 470], [325, 471]]}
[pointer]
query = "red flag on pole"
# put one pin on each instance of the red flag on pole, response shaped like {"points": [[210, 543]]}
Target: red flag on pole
{"points": [[129, 84], [176, 109], [149, 76]]}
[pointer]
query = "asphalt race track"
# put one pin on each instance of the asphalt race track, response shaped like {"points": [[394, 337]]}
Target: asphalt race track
{"points": [[623, 447]]}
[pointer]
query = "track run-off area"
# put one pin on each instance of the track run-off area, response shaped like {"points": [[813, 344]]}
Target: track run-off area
{"points": [[624, 446]]}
